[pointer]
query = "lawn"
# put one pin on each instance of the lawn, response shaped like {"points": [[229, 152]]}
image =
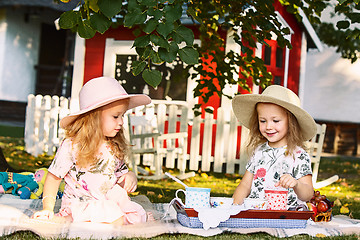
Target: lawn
{"points": [[345, 193]]}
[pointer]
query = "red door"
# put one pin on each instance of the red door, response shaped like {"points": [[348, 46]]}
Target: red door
{"points": [[274, 58]]}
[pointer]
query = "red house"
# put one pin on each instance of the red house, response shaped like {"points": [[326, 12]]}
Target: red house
{"points": [[111, 54]]}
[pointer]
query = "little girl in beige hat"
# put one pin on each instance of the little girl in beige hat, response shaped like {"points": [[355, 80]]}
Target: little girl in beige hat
{"points": [[278, 128], [91, 159]]}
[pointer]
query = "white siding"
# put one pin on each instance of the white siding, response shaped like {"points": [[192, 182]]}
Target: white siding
{"points": [[19, 47], [332, 84], [332, 87]]}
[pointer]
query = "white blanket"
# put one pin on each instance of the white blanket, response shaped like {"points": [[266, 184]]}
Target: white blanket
{"points": [[15, 216]]}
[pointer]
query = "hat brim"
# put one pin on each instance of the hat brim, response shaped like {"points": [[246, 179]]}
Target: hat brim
{"points": [[135, 100], [244, 105]]}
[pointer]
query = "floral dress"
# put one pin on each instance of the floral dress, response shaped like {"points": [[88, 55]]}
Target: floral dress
{"points": [[268, 164], [91, 193]]}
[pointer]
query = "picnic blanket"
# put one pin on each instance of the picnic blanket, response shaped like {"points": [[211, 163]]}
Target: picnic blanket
{"points": [[15, 216]]}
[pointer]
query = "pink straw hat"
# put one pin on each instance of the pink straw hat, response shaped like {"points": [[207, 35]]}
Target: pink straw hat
{"points": [[101, 91], [244, 105]]}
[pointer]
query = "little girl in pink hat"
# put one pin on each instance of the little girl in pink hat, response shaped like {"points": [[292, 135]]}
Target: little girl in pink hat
{"points": [[91, 159]]}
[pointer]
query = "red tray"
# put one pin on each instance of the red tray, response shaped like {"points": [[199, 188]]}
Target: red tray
{"points": [[263, 214]]}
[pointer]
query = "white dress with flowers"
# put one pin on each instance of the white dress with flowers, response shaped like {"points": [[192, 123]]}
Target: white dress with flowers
{"points": [[269, 164], [91, 194]]}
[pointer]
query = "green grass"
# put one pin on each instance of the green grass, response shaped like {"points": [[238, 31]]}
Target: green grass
{"points": [[11, 131], [225, 236], [345, 192]]}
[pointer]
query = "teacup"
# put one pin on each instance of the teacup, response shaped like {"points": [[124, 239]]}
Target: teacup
{"points": [[196, 197], [221, 202], [277, 199], [255, 203]]}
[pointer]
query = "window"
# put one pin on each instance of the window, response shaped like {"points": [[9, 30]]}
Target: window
{"points": [[273, 57], [117, 64], [279, 57], [267, 55], [173, 84]]}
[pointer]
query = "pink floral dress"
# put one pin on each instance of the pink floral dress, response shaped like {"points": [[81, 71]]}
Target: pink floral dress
{"points": [[91, 194], [269, 164]]}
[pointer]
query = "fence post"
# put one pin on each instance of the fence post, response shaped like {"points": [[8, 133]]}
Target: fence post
{"points": [[195, 143], [53, 124], [207, 140], [183, 128], [219, 141], [231, 148], [172, 119], [30, 124]]}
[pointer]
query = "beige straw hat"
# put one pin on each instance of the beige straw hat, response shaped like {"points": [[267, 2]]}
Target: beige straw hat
{"points": [[244, 105], [100, 91]]}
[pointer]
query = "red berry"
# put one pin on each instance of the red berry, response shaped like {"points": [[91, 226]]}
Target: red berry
{"points": [[312, 207], [329, 203], [322, 206]]}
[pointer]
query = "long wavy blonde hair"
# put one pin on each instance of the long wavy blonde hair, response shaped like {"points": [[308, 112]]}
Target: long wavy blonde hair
{"points": [[294, 136], [87, 135]]}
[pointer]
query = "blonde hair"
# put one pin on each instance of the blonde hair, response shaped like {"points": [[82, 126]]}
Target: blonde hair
{"points": [[86, 134], [294, 136]]}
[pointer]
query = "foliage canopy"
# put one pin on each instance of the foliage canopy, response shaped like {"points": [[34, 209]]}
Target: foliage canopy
{"points": [[161, 36]]}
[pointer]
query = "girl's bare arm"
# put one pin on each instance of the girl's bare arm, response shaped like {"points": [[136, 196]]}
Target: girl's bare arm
{"points": [[51, 187], [303, 187], [244, 188]]}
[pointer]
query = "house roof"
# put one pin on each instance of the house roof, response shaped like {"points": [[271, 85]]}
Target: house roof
{"points": [[41, 3], [316, 42]]}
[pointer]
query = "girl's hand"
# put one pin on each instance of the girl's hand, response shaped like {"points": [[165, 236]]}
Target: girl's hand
{"points": [[287, 181], [128, 181], [43, 215]]}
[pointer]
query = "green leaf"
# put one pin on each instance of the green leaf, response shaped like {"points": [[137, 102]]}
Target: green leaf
{"points": [[133, 5], [99, 22], [165, 28], [169, 56], [69, 19], [152, 77], [355, 17], [137, 67], [85, 30], [185, 34], [93, 5], [144, 53], [344, 24], [154, 56], [173, 13], [159, 41], [176, 37], [135, 17], [110, 7], [142, 41], [189, 55], [149, 3], [150, 25], [156, 13]]}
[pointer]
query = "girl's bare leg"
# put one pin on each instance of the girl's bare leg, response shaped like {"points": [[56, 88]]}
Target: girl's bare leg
{"points": [[119, 222]]}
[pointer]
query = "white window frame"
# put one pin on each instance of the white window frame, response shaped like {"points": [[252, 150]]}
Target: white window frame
{"points": [[114, 47]]}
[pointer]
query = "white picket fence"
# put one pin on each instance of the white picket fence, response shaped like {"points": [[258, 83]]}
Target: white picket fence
{"points": [[42, 132]]}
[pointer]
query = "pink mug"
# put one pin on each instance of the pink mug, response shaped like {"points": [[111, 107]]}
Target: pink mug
{"points": [[277, 199]]}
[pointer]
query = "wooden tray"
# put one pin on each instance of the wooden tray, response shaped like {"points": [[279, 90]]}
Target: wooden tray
{"points": [[263, 214], [260, 214]]}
